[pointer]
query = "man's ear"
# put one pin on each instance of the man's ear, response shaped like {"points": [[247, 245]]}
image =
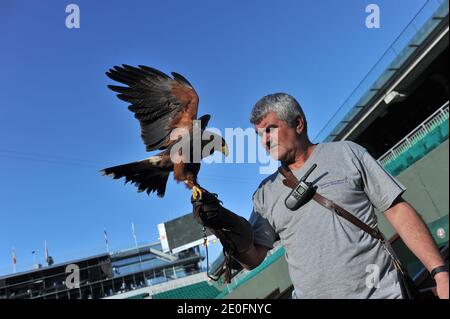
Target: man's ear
{"points": [[299, 125]]}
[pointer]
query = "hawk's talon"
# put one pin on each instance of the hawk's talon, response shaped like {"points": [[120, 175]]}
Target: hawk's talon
{"points": [[196, 193]]}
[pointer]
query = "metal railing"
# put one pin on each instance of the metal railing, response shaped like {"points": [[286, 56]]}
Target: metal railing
{"points": [[417, 134]]}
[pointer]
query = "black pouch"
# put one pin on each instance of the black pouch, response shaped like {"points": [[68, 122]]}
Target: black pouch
{"points": [[407, 286]]}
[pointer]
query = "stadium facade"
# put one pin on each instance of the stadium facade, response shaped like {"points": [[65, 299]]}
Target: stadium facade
{"points": [[131, 273]]}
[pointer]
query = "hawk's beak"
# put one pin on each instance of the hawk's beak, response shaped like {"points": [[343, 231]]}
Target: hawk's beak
{"points": [[224, 150]]}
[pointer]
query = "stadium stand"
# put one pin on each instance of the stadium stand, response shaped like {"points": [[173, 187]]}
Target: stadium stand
{"points": [[200, 290]]}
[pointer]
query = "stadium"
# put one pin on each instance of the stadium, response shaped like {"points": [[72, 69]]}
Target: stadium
{"points": [[399, 111]]}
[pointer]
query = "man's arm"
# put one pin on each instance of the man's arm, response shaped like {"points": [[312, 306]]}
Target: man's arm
{"points": [[252, 257], [414, 233], [233, 231]]}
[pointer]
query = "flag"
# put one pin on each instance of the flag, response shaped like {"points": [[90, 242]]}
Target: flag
{"points": [[14, 257], [105, 234], [14, 260]]}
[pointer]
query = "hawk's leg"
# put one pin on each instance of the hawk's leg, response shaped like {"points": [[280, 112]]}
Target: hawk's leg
{"points": [[196, 192]]}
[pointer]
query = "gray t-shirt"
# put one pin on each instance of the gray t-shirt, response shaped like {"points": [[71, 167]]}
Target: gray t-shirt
{"points": [[328, 256]]}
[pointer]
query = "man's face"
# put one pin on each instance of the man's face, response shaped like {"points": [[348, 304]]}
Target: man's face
{"points": [[277, 137]]}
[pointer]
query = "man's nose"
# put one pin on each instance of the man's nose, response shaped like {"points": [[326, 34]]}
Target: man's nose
{"points": [[264, 139], [267, 139]]}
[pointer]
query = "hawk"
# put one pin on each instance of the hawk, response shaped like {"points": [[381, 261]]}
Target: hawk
{"points": [[166, 108]]}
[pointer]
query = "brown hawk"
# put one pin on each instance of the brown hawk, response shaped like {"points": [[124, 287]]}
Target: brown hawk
{"points": [[166, 108]]}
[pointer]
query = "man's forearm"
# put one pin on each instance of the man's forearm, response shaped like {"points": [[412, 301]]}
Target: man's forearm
{"points": [[414, 233], [234, 231], [253, 257]]}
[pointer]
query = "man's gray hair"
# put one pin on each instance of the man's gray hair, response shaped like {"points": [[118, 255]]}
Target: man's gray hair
{"points": [[283, 105]]}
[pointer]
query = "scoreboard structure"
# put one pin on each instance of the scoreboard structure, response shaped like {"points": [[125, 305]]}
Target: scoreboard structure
{"points": [[182, 233]]}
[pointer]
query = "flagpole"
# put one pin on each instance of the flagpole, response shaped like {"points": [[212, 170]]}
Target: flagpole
{"points": [[34, 258], [135, 243], [46, 252], [134, 234], [106, 240], [14, 259]]}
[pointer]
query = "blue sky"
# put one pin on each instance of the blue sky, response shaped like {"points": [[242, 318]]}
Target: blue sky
{"points": [[59, 124]]}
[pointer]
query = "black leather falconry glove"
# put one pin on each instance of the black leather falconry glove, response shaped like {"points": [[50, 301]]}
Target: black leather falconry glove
{"points": [[233, 231]]}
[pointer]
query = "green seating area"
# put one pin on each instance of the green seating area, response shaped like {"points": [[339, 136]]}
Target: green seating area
{"points": [[200, 290], [277, 254], [439, 230], [421, 144], [140, 296], [408, 258]]}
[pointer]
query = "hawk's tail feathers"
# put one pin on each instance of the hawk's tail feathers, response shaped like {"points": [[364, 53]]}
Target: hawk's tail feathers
{"points": [[146, 175]]}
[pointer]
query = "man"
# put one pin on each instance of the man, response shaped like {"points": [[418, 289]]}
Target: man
{"points": [[328, 256]]}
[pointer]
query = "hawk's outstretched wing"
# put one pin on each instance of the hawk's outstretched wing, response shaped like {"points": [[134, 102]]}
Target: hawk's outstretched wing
{"points": [[159, 102]]}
